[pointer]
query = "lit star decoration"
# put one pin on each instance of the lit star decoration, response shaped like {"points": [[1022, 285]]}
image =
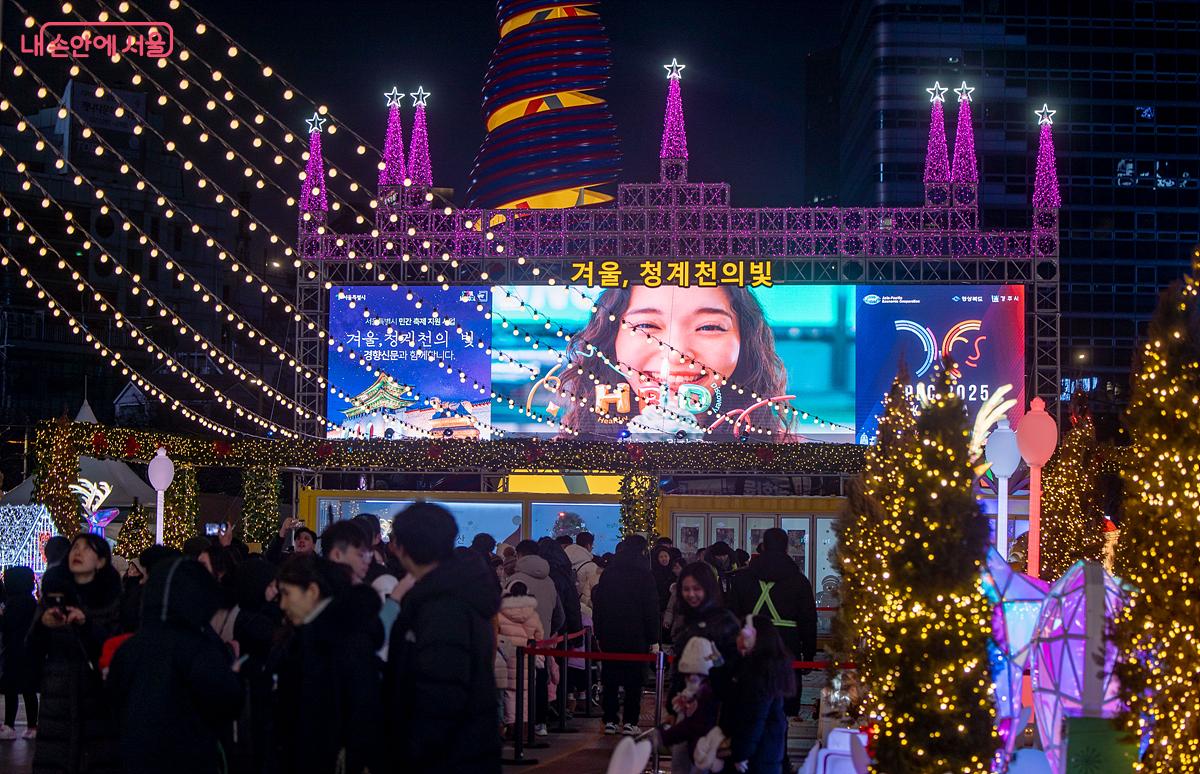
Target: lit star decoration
{"points": [[674, 138], [937, 161], [420, 168], [1045, 115], [316, 123], [1159, 548], [674, 70], [965, 168], [393, 169], [1045, 184]]}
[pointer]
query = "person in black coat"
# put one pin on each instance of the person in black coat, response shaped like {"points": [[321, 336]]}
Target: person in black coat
{"points": [[79, 610], [328, 713], [754, 719], [257, 625], [563, 576], [625, 617], [172, 683], [441, 687], [773, 586], [18, 677]]}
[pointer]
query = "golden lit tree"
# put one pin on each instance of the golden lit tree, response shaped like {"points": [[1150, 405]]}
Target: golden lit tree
{"points": [[58, 469], [1158, 631], [260, 504], [928, 670], [1072, 517], [181, 508], [135, 535], [875, 495]]}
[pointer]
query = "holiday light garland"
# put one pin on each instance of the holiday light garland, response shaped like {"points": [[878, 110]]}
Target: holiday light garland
{"points": [[57, 469], [1159, 548], [181, 508]]}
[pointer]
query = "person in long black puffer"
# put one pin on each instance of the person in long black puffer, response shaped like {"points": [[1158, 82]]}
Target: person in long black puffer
{"points": [[172, 683], [79, 610], [328, 711], [18, 677], [441, 684], [257, 626]]}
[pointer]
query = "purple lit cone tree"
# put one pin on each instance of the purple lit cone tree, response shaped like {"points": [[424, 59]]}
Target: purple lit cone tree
{"points": [[394, 169], [420, 168], [674, 138]]}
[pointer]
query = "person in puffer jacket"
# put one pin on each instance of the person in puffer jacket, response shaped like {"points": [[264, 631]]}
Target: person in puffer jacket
{"points": [[517, 623]]}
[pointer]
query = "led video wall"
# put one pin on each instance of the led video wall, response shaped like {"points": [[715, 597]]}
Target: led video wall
{"points": [[787, 363]]}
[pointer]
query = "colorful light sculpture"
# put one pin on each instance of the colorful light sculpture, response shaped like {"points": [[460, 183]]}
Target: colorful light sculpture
{"points": [[1003, 454], [1037, 437], [161, 472], [1073, 656], [1017, 604], [92, 495], [24, 530]]}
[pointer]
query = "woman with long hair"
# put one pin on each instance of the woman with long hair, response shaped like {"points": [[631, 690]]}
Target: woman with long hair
{"points": [[80, 609], [727, 346], [754, 717]]}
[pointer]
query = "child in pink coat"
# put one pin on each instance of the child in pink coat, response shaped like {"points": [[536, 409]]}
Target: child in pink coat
{"points": [[516, 624]]}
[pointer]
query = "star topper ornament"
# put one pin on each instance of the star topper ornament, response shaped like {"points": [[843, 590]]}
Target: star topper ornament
{"points": [[964, 92], [674, 70], [1045, 115], [419, 97], [316, 123], [394, 97], [937, 93]]}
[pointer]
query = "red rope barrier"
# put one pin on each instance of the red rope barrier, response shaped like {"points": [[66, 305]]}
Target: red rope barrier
{"points": [[559, 638], [649, 658]]}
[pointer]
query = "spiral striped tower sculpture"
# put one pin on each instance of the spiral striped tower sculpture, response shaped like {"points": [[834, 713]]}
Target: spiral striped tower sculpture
{"points": [[551, 140]]}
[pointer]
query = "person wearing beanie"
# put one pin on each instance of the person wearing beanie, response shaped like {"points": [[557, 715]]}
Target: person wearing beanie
{"points": [[696, 709]]}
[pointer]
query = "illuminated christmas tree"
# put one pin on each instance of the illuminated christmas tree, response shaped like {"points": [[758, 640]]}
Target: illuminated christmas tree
{"points": [[1159, 548], [312, 189], [420, 168], [876, 497], [1072, 518], [260, 504], [927, 672], [181, 509], [136, 534], [394, 170], [58, 469]]}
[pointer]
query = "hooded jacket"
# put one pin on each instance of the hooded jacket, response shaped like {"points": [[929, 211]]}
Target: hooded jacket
{"points": [[328, 691], [441, 683], [172, 685], [790, 594], [517, 623], [534, 572], [625, 605], [564, 583]]}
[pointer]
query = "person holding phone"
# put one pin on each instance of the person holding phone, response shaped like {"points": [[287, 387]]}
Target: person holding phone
{"points": [[79, 610], [293, 538]]}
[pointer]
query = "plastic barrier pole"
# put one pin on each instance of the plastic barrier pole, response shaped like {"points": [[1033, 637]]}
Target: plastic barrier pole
{"points": [[519, 758], [659, 675], [587, 674], [534, 698], [563, 683]]}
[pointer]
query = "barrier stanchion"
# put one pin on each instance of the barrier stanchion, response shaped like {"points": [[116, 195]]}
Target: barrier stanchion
{"points": [[563, 684], [519, 758], [535, 698], [660, 664], [587, 674]]}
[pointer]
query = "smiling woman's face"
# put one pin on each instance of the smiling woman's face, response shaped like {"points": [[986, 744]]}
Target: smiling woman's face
{"points": [[698, 322]]}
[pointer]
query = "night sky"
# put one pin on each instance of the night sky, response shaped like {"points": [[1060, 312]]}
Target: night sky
{"points": [[742, 88]]}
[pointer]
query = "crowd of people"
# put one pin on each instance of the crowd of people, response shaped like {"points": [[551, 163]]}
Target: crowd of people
{"points": [[349, 653]]}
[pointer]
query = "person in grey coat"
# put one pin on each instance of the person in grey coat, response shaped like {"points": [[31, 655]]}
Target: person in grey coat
{"points": [[534, 572]]}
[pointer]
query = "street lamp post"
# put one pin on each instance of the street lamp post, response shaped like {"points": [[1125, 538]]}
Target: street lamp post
{"points": [[162, 473], [1002, 452], [1037, 437]]}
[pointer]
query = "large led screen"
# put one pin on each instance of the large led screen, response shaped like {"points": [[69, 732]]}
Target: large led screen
{"points": [[787, 363]]}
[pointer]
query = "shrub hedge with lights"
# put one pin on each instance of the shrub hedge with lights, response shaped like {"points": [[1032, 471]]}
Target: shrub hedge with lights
{"points": [[876, 498], [135, 535], [927, 672], [1072, 517], [260, 504], [1158, 631]]}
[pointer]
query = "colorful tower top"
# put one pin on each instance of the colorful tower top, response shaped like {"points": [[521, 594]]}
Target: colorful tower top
{"points": [[965, 168], [551, 140], [420, 170], [394, 169], [1045, 185], [674, 138], [312, 188], [937, 162]]}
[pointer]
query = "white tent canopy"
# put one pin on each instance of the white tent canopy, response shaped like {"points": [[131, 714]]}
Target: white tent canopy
{"points": [[126, 485]]}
